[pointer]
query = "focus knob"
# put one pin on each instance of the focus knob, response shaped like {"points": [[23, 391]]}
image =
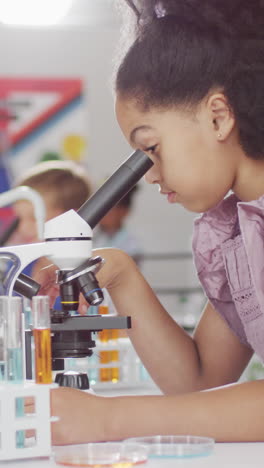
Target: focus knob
{"points": [[73, 379]]}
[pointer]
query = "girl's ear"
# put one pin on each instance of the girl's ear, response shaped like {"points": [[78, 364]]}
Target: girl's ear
{"points": [[222, 116]]}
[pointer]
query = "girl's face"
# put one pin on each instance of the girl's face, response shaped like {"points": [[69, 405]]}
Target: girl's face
{"points": [[191, 166]]}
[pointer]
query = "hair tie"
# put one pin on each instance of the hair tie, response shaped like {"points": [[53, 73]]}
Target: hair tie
{"points": [[159, 9]]}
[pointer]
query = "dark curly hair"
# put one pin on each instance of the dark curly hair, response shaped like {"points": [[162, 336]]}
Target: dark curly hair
{"points": [[184, 48]]}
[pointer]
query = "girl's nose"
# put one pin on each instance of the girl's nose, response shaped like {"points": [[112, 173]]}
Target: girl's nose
{"points": [[152, 176]]}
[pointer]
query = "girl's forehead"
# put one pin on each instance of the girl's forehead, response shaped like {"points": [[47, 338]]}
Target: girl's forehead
{"points": [[127, 109], [135, 122], [129, 117]]}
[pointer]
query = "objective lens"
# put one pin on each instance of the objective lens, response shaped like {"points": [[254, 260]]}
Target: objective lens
{"points": [[69, 293], [90, 288]]}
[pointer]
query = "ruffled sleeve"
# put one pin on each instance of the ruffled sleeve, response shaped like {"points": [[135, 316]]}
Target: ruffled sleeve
{"points": [[211, 231]]}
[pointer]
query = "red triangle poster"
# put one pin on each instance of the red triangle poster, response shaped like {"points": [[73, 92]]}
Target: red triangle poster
{"points": [[40, 118]]}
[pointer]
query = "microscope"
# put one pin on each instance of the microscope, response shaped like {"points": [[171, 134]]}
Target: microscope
{"points": [[68, 244]]}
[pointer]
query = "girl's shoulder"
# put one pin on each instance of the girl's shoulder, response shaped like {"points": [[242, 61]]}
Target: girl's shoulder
{"points": [[223, 222], [228, 247], [217, 225]]}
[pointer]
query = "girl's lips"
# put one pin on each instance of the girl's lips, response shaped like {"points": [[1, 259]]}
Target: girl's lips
{"points": [[171, 197]]}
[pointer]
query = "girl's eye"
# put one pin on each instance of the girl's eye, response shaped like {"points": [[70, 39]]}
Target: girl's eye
{"points": [[151, 149]]}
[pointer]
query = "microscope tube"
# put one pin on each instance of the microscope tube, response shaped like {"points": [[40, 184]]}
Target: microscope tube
{"points": [[42, 339], [14, 370]]}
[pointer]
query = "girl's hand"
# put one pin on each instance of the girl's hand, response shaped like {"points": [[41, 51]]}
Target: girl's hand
{"points": [[115, 264], [47, 278], [82, 416], [45, 275]]}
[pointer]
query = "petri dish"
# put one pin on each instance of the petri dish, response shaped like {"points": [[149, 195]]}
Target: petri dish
{"points": [[101, 455], [170, 446]]}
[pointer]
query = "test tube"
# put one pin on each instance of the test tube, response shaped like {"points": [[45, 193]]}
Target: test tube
{"points": [[42, 339], [14, 356], [105, 372], [104, 335], [115, 370], [115, 358], [104, 356], [3, 337], [14, 309]]}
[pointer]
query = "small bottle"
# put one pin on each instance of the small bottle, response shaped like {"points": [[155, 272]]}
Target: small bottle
{"points": [[114, 335], [92, 310], [105, 372], [103, 335], [115, 370], [104, 355], [115, 355], [93, 368]]}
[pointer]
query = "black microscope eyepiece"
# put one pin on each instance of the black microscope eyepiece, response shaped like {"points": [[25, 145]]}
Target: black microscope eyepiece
{"points": [[26, 286]]}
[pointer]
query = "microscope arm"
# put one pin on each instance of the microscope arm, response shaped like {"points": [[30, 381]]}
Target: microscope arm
{"points": [[68, 237], [76, 227], [21, 256]]}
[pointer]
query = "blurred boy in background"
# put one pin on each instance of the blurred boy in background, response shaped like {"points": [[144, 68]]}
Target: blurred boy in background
{"points": [[63, 185], [112, 231]]}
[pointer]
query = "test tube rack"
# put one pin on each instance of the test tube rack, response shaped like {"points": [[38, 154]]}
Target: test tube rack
{"points": [[38, 422]]}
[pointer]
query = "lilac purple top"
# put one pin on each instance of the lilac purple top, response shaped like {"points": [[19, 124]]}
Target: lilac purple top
{"points": [[228, 246]]}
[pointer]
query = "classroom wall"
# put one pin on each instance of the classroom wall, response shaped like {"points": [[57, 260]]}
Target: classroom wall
{"points": [[87, 52]]}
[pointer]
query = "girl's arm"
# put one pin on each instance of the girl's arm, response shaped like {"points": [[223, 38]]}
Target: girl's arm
{"points": [[177, 362], [233, 413]]}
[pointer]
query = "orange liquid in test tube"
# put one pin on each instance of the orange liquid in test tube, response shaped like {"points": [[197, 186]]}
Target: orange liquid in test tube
{"points": [[114, 334], [104, 356], [105, 372], [108, 374], [43, 371], [103, 335], [114, 370], [115, 376]]}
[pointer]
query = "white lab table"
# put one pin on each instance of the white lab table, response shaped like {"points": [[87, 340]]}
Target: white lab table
{"points": [[238, 455]]}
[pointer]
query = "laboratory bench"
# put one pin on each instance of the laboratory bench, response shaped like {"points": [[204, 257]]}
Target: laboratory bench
{"points": [[231, 455]]}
